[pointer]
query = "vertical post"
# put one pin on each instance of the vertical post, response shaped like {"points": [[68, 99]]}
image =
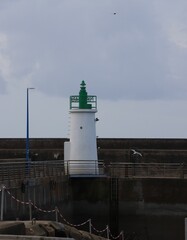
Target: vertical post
{"points": [[185, 229], [68, 168], [107, 232], [90, 225], [122, 235], [27, 130], [182, 170], [30, 210], [2, 201], [56, 214]]}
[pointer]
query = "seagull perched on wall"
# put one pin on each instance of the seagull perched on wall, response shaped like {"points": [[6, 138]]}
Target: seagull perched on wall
{"points": [[136, 153]]}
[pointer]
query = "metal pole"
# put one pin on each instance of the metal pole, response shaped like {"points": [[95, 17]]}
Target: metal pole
{"points": [[56, 214], [27, 130], [107, 232], [90, 225], [68, 168], [122, 235], [27, 139], [30, 210], [2, 201]]}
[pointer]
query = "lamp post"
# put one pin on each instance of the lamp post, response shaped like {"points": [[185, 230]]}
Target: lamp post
{"points": [[27, 139]]}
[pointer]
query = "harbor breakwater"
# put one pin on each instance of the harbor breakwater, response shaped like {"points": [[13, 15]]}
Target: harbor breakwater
{"points": [[149, 208], [109, 149]]}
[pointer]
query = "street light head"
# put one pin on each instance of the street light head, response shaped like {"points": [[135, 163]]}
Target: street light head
{"points": [[30, 88]]}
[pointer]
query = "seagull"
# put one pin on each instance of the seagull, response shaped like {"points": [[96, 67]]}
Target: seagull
{"points": [[114, 13], [136, 153]]}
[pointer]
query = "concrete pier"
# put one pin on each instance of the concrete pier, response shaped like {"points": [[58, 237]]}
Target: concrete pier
{"points": [[152, 206]]}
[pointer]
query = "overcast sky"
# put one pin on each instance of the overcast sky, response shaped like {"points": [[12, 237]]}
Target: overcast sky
{"points": [[135, 61]]}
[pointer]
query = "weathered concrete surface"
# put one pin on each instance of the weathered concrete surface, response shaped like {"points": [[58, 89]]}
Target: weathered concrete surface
{"points": [[152, 150], [21, 237], [150, 208], [109, 149], [42, 230], [147, 207], [16, 228]]}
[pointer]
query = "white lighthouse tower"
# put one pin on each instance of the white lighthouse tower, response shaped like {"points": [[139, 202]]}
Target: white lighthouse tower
{"points": [[80, 153]]}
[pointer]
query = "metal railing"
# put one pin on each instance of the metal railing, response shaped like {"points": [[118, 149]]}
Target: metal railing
{"points": [[19, 170], [84, 167], [147, 170], [16, 170]]}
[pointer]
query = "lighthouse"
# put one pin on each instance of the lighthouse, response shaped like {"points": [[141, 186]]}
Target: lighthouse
{"points": [[80, 153]]}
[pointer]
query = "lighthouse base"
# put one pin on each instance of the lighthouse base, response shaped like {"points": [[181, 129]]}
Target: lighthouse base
{"points": [[86, 167]]}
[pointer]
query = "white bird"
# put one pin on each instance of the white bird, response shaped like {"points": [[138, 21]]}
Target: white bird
{"points": [[56, 155], [136, 153]]}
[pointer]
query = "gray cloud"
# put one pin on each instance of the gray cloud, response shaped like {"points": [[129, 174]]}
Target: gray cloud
{"points": [[134, 54], [2, 85]]}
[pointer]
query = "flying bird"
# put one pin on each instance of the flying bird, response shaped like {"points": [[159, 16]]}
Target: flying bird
{"points": [[114, 13], [136, 153]]}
